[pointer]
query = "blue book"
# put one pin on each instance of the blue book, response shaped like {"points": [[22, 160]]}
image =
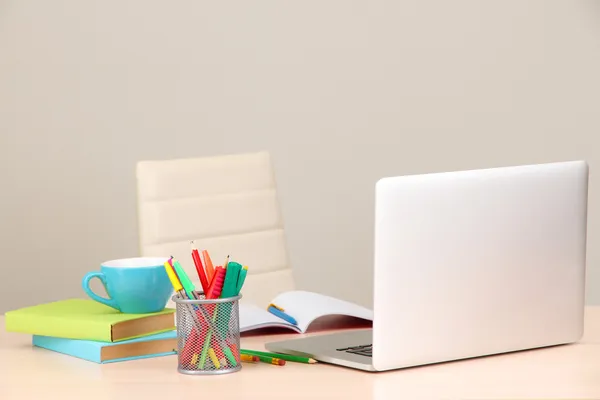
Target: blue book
{"points": [[161, 344]]}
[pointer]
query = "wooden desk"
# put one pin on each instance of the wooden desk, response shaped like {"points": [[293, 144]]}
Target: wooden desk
{"points": [[571, 371]]}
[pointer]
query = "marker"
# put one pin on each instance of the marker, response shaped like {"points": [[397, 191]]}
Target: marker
{"points": [[216, 286], [241, 279], [231, 279], [173, 277], [279, 312], [187, 284]]}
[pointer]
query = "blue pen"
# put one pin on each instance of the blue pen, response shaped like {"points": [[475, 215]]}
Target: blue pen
{"points": [[278, 311]]}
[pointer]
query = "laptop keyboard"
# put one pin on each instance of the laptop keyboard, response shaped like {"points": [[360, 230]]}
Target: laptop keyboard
{"points": [[364, 350]]}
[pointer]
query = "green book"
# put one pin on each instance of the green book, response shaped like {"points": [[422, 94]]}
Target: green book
{"points": [[88, 320]]}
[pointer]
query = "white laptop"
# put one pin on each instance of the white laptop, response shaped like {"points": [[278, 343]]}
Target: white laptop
{"points": [[469, 264]]}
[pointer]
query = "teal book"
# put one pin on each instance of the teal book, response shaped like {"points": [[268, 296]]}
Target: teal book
{"points": [[157, 345]]}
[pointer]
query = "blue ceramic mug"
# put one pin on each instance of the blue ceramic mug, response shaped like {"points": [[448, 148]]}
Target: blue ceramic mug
{"points": [[134, 285]]}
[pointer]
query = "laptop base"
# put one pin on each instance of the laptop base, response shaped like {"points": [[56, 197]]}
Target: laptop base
{"points": [[347, 349]]}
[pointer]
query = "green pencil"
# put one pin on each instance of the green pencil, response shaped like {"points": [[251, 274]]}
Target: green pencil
{"points": [[285, 357]]}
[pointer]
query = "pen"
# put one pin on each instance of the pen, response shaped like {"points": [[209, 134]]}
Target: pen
{"points": [[279, 312]]}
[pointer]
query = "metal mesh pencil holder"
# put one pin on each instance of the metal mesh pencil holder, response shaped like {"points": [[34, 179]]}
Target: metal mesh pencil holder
{"points": [[208, 335]]}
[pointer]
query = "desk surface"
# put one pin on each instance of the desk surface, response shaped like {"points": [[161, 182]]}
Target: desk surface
{"points": [[571, 371]]}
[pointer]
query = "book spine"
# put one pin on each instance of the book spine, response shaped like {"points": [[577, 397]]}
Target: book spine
{"points": [[154, 355], [71, 347]]}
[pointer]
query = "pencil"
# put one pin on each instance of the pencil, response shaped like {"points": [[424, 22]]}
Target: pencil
{"points": [[249, 358], [213, 358], [271, 360], [226, 262], [209, 265], [199, 268], [286, 357]]}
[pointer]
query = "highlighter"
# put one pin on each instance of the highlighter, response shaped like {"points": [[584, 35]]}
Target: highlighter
{"points": [[173, 278], [187, 284], [231, 279], [241, 279], [216, 286]]}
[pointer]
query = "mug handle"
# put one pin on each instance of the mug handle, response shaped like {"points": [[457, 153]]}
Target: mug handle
{"points": [[86, 287]]}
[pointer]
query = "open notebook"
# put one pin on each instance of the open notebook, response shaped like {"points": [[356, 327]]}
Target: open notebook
{"points": [[304, 307]]}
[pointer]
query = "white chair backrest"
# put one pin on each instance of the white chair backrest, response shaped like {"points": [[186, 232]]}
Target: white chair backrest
{"points": [[228, 205]]}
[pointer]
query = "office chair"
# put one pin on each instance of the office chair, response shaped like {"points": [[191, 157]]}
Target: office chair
{"points": [[227, 205]]}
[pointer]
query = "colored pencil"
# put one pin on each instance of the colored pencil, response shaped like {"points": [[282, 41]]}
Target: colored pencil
{"points": [[286, 357], [270, 360], [249, 358], [210, 270], [199, 268]]}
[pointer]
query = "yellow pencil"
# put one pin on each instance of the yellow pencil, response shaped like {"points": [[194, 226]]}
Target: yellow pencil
{"points": [[249, 358], [226, 262], [213, 357]]}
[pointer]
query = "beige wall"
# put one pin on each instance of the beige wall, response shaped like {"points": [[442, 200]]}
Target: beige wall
{"points": [[341, 93]]}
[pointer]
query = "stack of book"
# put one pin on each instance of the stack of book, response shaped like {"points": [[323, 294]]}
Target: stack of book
{"points": [[92, 331]]}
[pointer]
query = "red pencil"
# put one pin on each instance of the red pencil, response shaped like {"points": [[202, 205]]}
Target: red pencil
{"points": [[199, 268]]}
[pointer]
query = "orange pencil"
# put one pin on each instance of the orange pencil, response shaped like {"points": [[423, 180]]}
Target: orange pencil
{"points": [[210, 270]]}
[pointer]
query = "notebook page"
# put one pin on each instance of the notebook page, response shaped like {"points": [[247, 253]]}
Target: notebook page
{"points": [[305, 307], [254, 317]]}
